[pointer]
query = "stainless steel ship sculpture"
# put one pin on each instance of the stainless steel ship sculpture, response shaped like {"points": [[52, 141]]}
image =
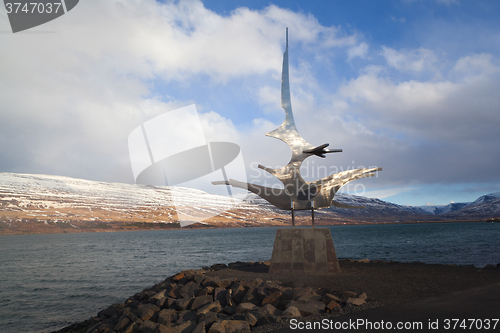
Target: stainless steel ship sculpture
{"points": [[297, 193]]}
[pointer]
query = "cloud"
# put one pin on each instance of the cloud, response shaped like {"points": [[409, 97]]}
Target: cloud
{"points": [[437, 131], [409, 60], [400, 20], [475, 65], [385, 193], [359, 50], [70, 98]]}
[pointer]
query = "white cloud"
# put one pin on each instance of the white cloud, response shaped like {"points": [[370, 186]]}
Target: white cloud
{"points": [[419, 131], [385, 193], [270, 98], [359, 50], [476, 64], [409, 60], [217, 128], [436, 130], [70, 98]]}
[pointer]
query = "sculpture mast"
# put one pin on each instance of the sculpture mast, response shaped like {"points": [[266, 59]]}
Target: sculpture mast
{"points": [[297, 194]]}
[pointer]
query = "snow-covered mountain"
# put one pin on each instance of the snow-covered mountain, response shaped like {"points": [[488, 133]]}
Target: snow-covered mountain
{"points": [[52, 199], [492, 197], [374, 206], [486, 206], [44, 200], [443, 209], [483, 207]]}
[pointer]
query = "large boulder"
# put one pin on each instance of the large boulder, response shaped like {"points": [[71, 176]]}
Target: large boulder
{"points": [[146, 311], [148, 326], [308, 308], [190, 289], [251, 319], [187, 327], [267, 314], [200, 328], [200, 301], [183, 303], [291, 312], [122, 324], [360, 300], [175, 292], [217, 328], [355, 301], [167, 316], [245, 307], [236, 326], [156, 297], [251, 296], [273, 299], [179, 277], [210, 307], [333, 307], [133, 327], [220, 295], [224, 283], [268, 309], [329, 298], [238, 292], [185, 316], [209, 290], [111, 311]]}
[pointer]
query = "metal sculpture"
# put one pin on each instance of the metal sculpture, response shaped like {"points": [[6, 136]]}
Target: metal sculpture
{"points": [[297, 193]]}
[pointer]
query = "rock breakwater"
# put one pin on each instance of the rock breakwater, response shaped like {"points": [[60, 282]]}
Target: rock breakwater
{"points": [[193, 302]]}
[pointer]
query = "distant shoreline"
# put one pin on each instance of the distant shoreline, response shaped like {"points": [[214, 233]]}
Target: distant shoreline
{"points": [[26, 228]]}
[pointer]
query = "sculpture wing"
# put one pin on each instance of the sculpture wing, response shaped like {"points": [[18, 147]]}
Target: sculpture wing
{"points": [[337, 180]]}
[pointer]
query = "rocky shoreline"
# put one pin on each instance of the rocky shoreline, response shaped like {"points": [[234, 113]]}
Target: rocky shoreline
{"points": [[244, 297], [194, 302]]}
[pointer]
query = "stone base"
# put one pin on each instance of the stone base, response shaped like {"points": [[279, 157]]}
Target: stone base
{"points": [[301, 250]]}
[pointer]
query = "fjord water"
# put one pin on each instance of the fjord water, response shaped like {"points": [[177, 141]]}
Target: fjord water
{"points": [[50, 281]]}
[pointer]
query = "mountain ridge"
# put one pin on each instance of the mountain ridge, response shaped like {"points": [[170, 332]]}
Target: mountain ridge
{"points": [[34, 203]]}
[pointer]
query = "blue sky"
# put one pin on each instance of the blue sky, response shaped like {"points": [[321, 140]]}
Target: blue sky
{"points": [[411, 86]]}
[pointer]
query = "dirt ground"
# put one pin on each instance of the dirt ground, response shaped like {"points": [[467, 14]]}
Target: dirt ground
{"points": [[387, 283]]}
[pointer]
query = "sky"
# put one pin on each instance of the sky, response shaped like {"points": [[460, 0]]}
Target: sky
{"points": [[409, 86]]}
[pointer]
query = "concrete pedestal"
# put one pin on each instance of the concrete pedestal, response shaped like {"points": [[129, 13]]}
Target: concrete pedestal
{"points": [[307, 250]]}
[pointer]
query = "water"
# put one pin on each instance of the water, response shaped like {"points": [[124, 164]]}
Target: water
{"points": [[432, 243], [50, 281]]}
